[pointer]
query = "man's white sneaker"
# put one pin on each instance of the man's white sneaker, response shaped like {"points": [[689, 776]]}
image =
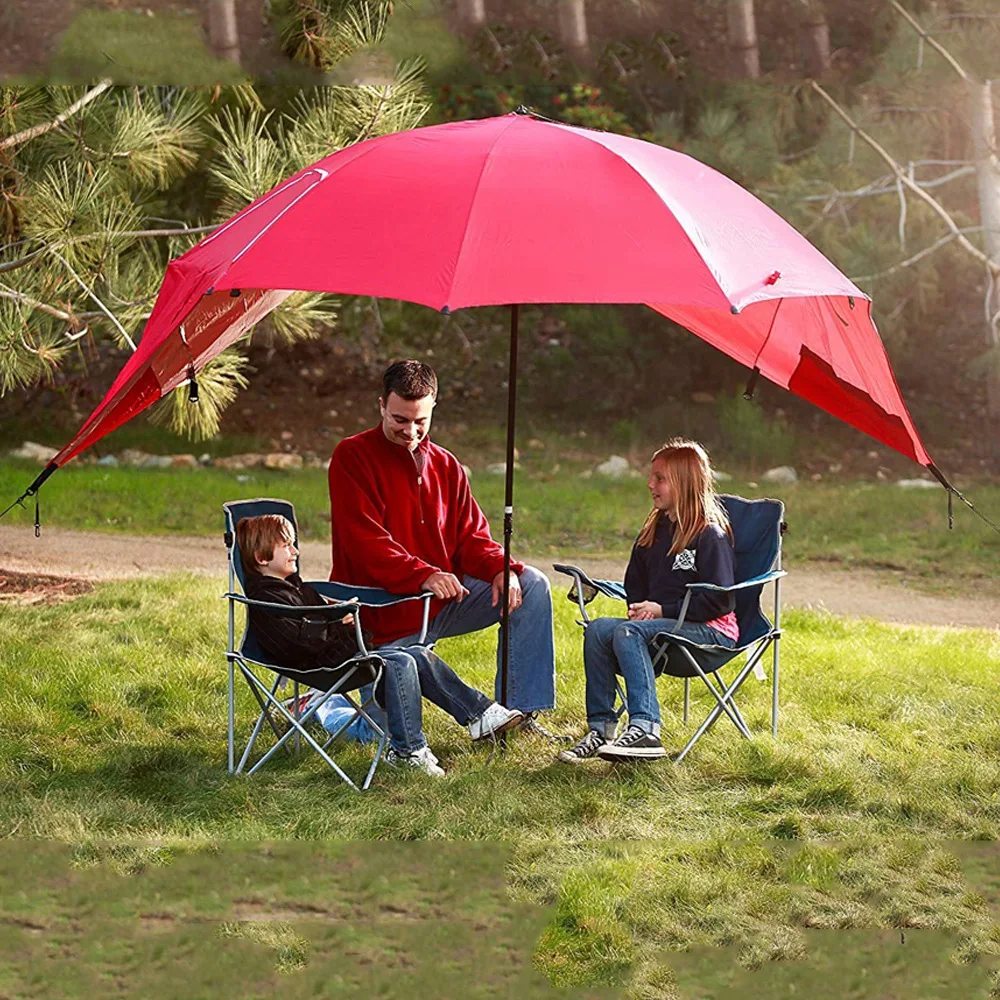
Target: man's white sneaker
{"points": [[494, 720], [423, 759]]}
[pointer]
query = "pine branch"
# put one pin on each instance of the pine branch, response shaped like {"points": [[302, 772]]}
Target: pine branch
{"points": [[37, 130], [905, 180]]}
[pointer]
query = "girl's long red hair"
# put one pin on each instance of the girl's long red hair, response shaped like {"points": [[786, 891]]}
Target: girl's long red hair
{"points": [[696, 504]]}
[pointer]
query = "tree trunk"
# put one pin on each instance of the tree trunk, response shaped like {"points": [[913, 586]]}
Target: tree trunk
{"points": [[223, 34], [815, 38], [743, 38], [573, 28], [472, 13], [984, 145]]}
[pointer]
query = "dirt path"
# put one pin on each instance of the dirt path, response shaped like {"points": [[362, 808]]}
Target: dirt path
{"points": [[97, 556]]}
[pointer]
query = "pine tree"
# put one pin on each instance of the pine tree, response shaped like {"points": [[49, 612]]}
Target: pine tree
{"points": [[100, 188]]}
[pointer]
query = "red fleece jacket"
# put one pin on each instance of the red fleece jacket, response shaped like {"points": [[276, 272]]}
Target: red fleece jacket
{"points": [[393, 528]]}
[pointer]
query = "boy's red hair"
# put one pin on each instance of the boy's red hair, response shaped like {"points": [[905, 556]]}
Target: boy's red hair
{"points": [[257, 537]]}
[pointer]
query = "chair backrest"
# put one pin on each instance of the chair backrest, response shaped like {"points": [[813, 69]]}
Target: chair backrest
{"points": [[756, 528], [235, 511]]}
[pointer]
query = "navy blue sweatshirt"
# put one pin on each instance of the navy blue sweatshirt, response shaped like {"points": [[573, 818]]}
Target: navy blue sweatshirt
{"points": [[654, 575]]}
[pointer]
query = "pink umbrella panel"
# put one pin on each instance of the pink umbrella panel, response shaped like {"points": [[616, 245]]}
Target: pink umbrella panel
{"points": [[519, 210]]}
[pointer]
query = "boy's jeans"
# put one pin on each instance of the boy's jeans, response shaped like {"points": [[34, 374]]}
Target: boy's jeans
{"points": [[618, 645], [531, 674], [414, 673]]}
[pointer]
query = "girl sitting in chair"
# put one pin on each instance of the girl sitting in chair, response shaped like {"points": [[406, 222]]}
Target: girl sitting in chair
{"points": [[686, 539]]}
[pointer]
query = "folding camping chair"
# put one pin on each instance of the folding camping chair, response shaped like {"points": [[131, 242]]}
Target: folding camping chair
{"points": [[757, 529], [365, 668]]}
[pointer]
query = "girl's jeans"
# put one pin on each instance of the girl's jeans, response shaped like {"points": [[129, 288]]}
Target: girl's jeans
{"points": [[619, 646]]}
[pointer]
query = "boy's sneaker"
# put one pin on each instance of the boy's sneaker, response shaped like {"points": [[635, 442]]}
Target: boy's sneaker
{"points": [[423, 759], [633, 744], [530, 724], [496, 719], [586, 748]]}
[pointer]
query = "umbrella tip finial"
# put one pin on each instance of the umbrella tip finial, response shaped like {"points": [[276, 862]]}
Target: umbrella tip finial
{"points": [[522, 109], [445, 311], [735, 310]]}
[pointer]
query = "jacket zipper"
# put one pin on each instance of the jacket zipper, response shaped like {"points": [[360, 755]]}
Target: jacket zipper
{"points": [[420, 482]]}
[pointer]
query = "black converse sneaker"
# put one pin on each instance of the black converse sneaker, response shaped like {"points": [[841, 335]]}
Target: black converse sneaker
{"points": [[633, 744], [587, 747]]}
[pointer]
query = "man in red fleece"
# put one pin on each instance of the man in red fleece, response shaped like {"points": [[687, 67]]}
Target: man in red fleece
{"points": [[404, 519]]}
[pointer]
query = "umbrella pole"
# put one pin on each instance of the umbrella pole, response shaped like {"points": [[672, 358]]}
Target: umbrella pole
{"points": [[508, 508]]}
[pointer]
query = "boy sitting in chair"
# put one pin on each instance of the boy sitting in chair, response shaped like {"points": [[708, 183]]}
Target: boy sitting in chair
{"points": [[308, 650]]}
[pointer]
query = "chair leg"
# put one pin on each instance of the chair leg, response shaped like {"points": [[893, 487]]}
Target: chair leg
{"points": [[297, 728], [231, 716], [687, 698], [774, 686], [383, 740], [264, 714], [722, 698], [725, 702], [269, 703], [295, 704]]}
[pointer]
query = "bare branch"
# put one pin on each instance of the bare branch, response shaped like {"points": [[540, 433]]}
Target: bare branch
{"points": [[107, 312], [910, 261], [9, 293], [902, 214], [868, 191], [13, 265], [900, 173], [139, 233], [37, 130], [915, 24]]}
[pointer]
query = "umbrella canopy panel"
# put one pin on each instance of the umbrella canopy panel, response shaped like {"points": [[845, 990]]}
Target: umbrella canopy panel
{"points": [[517, 210]]}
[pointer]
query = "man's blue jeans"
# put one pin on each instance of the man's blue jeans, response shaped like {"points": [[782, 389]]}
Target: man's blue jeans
{"points": [[619, 646], [531, 676], [416, 673]]}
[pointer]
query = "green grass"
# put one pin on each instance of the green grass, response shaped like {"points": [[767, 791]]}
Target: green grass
{"points": [[849, 524], [112, 727], [289, 919], [134, 48]]}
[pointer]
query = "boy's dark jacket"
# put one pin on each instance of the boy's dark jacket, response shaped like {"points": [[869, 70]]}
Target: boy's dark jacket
{"points": [[301, 643], [654, 575]]}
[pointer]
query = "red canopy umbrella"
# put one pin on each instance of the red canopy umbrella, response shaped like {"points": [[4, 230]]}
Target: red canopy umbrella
{"points": [[513, 210]]}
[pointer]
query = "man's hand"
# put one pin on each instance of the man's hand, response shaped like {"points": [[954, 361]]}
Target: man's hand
{"points": [[514, 595], [643, 611], [447, 586]]}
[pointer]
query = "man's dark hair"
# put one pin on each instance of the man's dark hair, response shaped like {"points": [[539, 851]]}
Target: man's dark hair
{"points": [[409, 380]]}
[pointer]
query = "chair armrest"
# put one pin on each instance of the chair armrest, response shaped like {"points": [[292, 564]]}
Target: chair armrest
{"points": [[573, 571], [584, 590], [328, 612], [609, 588], [367, 597], [374, 597], [755, 581]]}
